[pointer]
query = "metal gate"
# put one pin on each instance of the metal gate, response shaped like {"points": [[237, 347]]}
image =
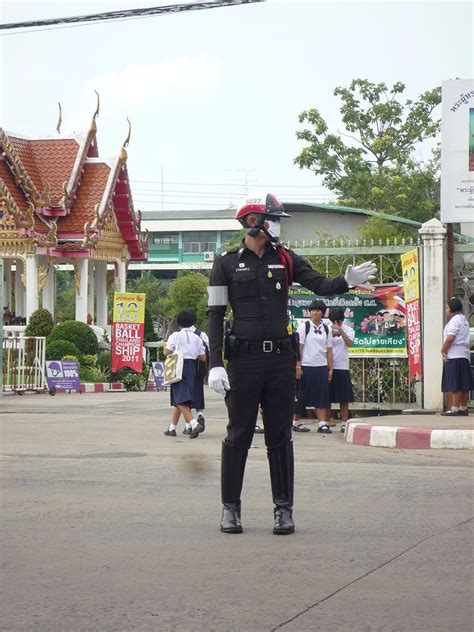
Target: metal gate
{"points": [[381, 383], [23, 364]]}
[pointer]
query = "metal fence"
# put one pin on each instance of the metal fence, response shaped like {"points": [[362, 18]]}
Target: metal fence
{"points": [[379, 383], [23, 364]]}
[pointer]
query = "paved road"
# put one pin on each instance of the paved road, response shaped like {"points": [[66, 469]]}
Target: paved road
{"points": [[109, 525]]}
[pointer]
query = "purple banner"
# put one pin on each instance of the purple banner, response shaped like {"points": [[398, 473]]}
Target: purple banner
{"points": [[159, 375], [63, 374]]}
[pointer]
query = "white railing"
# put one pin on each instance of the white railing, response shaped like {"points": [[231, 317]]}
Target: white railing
{"points": [[24, 364]]}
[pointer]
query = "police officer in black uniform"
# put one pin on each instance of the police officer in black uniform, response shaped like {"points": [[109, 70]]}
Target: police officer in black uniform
{"points": [[261, 353]]}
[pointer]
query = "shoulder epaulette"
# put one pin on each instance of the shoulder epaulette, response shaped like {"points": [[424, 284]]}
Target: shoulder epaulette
{"points": [[228, 252]]}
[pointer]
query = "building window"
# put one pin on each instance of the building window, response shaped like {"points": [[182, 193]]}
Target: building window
{"points": [[228, 236], [165, 241], [197, 242]]}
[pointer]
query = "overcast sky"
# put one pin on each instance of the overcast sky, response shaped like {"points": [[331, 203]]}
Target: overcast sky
{"points": [[214, 96]]}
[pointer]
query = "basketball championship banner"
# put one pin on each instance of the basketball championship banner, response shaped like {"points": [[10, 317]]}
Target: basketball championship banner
{"points": [[376, 313], [128, 330], [411, 287]]}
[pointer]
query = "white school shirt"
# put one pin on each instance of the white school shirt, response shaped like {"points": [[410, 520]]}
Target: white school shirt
{"points": [[340, 351], [458, 326], [189, 343], [315, 344]]}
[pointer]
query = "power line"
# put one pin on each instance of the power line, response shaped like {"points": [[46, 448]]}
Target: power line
{"points": [[216, 184], [126, 14]]}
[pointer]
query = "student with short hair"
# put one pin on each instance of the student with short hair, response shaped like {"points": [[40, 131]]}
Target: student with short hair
{"points": [[315, 368], [340, 388], [457, 376]]}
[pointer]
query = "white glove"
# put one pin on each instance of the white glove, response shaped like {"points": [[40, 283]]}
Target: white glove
{"points": [[355, 275], [218, 380]]}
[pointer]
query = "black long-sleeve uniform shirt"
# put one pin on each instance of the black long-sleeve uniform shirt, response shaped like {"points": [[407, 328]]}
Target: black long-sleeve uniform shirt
{"points": [[257, 291]]}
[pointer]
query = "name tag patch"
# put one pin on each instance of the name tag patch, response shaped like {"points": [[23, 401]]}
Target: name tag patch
{"points": [[275, 265]]}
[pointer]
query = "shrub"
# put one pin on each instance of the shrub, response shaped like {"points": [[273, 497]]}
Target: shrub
{"points": [[104, 361], [92, 374], [57, 349], [79, 334], [132, 381], [88, 360], [41, 323]]}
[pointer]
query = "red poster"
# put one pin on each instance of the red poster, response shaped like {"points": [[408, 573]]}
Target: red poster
{"points": [[127, 344], [414, 340]]}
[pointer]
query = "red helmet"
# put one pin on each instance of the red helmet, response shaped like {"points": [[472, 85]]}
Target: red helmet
{"points": [[265, 204]]}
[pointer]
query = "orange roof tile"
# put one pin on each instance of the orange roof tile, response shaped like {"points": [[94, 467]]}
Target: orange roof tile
{"points": [[91, 190], [48, 160]]}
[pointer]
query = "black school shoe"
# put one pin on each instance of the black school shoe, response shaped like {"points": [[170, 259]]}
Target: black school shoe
{"points": [[301, 428], [325, 429], [187, 431], [196, 432], [170, 433]]}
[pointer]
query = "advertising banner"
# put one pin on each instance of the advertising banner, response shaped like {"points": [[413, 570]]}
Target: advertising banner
{"points": [[128, 329], [159, 375], [411, 286], [63, 374], [377, 315], [457, 151]]}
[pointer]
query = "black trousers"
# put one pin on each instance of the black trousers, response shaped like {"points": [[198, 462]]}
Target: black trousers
{"points": [[266, 379]]}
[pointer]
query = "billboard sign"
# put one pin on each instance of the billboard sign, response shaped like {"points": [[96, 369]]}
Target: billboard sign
{"points": [[128, 329]]}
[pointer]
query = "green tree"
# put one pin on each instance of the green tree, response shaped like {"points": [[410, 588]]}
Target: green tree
{"points": [[372, 164], [151, 286], [188, 290]]}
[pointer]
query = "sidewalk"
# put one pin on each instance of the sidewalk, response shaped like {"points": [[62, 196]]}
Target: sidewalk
{"points": [[416, 431]]}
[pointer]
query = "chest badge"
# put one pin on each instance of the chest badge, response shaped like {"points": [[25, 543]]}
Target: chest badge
{"points": [[269, 274], [278, 285]]}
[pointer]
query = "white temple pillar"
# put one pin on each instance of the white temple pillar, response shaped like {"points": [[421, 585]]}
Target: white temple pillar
{"points": [[19, 289], [49, 290], [31, 269], [91, 290], [81, 283], [433, 235], [121, 276], [101, 291], [7, 288]]}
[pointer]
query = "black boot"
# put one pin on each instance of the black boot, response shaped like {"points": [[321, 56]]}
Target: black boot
{"points": [[232, 476], [282, 477]]}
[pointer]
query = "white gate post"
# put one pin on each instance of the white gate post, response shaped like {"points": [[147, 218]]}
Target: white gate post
{"points": [[433, 235]]}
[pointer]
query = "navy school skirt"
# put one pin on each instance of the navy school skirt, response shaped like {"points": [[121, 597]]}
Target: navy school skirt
{"points": [[183, 392], [457, 376], [198, 396], [314, 389], [340, 389]]}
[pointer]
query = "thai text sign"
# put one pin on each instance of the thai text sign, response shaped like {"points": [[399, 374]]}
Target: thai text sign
{"points": [[63, 374], [376, 313], [128, 330], [457, 151], [411, 286]]}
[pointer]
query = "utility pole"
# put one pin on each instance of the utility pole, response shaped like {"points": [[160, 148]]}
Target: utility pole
{"points": [[246, 173]]}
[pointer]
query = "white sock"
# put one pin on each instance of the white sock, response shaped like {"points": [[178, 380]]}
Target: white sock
{"points": [[193, 423], [296, 423], [188, 425], [462, 407], [173, 427], [455, 408], [322, 423]]}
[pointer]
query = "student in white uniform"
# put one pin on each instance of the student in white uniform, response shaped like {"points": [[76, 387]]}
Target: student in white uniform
{"points": [[315, 368], [340, 388], [201, 374], [182, 392], [457, 376]]}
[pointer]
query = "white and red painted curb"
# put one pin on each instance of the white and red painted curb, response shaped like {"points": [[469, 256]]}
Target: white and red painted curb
{"points": [[362, 433], [100, 387]]}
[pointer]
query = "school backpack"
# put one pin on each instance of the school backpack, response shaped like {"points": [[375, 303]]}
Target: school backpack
{"points": [[307, 327], [202, 365]]}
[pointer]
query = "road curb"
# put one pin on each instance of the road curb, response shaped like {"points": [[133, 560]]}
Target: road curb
{"points": [[362, 433]]}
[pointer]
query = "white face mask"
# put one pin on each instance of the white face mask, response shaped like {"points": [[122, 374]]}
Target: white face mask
{"points": [[274, 228]]}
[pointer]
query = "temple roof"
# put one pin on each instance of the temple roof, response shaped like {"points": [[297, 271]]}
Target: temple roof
{"points": [[60, 187]]}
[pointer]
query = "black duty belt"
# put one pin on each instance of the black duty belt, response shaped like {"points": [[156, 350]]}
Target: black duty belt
{"points": [[280, 345]]}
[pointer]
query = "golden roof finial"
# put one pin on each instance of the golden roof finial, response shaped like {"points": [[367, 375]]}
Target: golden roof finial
{"points": [[96, 113], [60, 119], [127, 140]]}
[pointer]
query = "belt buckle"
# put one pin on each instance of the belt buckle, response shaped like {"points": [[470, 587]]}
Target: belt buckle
{"points": [[267, 346]]}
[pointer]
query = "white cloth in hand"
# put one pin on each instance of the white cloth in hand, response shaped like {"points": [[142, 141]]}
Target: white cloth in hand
{"points": [[218, 380], [355, 275]]}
